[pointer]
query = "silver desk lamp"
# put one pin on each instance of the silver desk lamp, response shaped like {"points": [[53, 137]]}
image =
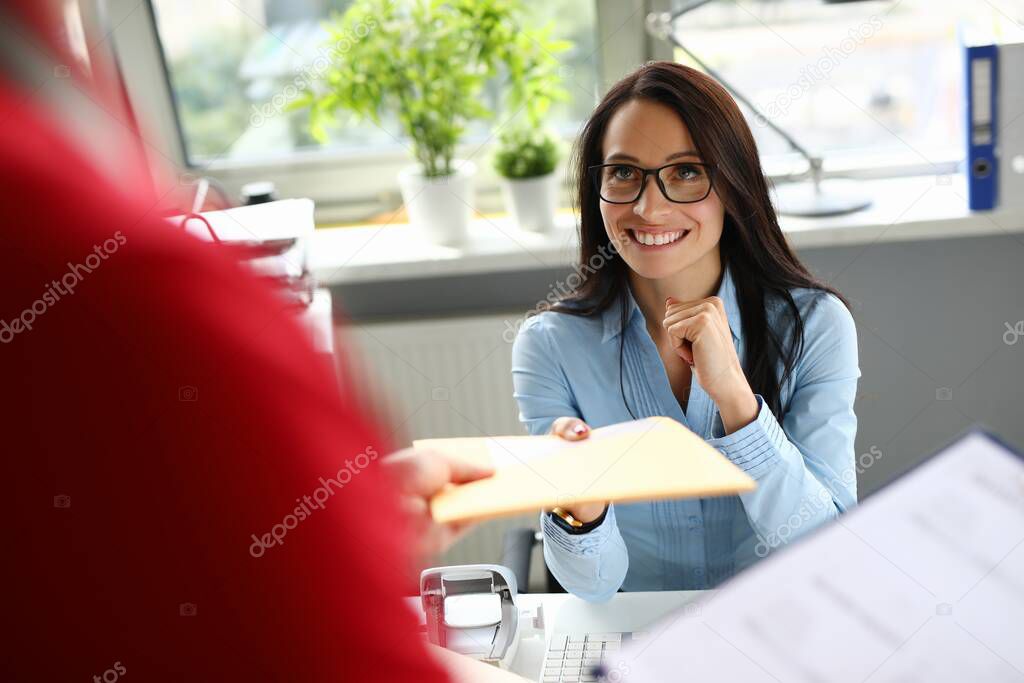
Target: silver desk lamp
{"points": [[818, 197]]}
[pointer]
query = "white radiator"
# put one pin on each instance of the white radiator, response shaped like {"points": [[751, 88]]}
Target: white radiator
{"points": [[442, 377], [439, 378]]}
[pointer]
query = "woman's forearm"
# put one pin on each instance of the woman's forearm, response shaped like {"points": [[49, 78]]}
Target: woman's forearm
{"points": [[738, 405], [738, 411]]}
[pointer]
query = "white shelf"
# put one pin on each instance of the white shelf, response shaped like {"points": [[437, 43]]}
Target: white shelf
{"points": [[905, 209]]}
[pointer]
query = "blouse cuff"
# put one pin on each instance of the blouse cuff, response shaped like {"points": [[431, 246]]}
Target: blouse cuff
{"points": [[755, 448], [584, 545]]}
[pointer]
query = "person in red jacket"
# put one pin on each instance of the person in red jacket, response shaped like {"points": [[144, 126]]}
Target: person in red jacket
{"points": [[189, 496]]}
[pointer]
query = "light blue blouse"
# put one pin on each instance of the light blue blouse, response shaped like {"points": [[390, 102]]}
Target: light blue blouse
{"points": [[804, 463]]}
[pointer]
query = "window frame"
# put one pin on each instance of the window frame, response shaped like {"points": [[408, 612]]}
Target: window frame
{"points": [[351, 183]]}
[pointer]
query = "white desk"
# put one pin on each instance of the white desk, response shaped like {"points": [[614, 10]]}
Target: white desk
{"points": [[624, 612]]}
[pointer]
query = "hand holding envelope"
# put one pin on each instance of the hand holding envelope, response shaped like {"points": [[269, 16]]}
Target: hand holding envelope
{"points": [[418, 475], [648, 459]]}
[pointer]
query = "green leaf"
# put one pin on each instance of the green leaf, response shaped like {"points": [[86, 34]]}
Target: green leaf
{"points": [[429, 61]]}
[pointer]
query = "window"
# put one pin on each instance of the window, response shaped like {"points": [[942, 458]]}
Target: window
{"points": [[874, 86], [865, 79], [227, 60]]}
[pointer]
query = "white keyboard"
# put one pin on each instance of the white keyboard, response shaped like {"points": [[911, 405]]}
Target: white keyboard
{"points": [[575, 657]]}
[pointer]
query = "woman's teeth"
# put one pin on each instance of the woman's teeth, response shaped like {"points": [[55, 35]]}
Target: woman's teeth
{"points": [[651, 239]]}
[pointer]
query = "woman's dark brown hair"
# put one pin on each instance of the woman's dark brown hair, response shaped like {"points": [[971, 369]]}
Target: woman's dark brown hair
{"points": [[752, 244]]}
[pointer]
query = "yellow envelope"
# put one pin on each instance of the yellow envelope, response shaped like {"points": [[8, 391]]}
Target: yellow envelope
{"points": [[646, 459]]}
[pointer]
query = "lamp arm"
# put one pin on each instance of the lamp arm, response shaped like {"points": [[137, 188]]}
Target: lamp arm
{"points": [[659, 25]]}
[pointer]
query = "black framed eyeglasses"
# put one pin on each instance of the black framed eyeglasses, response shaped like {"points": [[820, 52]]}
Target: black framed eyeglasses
{"points": [[681, 183]]}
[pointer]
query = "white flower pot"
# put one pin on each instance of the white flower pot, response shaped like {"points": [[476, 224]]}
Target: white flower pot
{"points": [[532, 201], [440, 207]]}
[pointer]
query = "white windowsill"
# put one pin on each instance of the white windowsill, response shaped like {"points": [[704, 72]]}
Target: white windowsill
{"points": [[905, 209]]}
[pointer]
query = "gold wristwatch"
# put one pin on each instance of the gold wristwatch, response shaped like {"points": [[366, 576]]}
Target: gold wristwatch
{"points": [[565, 520], [568, 518]]}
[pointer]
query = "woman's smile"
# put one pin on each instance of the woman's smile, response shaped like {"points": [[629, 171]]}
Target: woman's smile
{"points": [[654, 239]]}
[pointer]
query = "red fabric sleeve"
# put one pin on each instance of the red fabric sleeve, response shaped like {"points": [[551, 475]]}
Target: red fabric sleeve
{"points": [[159, 418]]}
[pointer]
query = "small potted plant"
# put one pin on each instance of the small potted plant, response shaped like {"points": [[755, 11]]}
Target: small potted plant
{"points": [[428, 62], [526, 159]]}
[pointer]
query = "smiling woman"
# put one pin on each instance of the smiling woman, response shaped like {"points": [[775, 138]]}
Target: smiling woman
{"points": [[705, 315]]}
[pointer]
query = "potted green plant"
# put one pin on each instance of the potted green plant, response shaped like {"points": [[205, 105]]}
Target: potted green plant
{"points": [[526, 159], [428, 61]]}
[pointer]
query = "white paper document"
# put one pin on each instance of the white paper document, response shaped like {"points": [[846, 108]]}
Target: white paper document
{"points": [[924, 581]]}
